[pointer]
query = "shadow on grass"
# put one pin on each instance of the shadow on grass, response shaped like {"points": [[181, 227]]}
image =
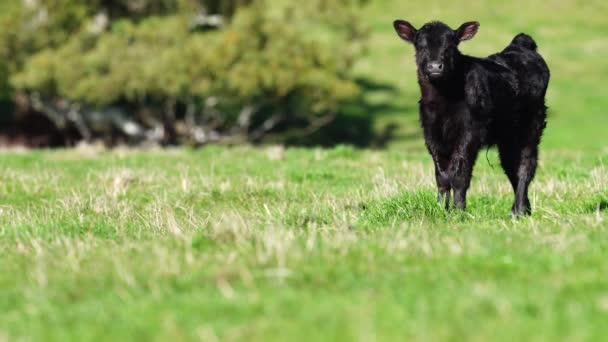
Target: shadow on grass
{"points": [[597, 204], [421, 205], [400, 208], [356, 123]]}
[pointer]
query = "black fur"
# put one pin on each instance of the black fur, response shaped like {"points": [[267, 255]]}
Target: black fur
{"points": [[468, 103]]}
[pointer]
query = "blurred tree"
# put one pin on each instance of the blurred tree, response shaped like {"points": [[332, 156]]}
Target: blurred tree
{"points": [[141, 68]]}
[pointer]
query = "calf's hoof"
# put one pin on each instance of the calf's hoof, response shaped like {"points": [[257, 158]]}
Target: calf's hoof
{"points": [[443, 199], [521, 209], [460, 206]]}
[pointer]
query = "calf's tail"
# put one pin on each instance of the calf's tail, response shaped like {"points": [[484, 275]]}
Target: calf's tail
{"points": [[525, 41]]}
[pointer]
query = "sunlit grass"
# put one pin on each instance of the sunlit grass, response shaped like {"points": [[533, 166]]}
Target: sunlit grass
{"points": [[266, 243]]}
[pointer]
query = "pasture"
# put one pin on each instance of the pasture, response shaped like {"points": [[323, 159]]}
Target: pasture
{"points": [[273, 244]]}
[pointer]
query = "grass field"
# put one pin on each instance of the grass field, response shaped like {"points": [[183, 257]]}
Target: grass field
{"points": [[274, 244]]}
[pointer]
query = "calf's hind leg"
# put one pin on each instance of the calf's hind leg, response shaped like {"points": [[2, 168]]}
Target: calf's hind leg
{"points": [[519, 160], [525, 174], [519, 164]]}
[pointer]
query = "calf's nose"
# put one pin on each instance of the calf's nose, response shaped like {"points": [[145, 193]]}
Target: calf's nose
{"points": [[434, 67]]}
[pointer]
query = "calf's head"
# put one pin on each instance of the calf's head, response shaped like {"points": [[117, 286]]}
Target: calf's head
{"points": [[436, 45]]}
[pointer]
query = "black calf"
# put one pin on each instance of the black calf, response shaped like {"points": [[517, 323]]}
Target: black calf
{"points": [[470, 102]]}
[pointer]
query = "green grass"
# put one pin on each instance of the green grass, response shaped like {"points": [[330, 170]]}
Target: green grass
{"points": [[325, 244], [272, 244]]}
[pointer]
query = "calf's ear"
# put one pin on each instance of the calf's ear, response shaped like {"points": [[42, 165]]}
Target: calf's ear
{"points": [[467, 30], [405, 30]]}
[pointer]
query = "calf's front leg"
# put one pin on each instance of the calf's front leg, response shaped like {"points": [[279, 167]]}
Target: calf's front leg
{"points": [[461, 172], [443, 185]]}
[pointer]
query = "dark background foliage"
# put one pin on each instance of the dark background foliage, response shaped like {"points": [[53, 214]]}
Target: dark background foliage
{"points": [[181, 72]]}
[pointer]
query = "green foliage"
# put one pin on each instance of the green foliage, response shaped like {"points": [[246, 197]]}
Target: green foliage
{"points": [[262, 60], [250, 59], [4, 85]]}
